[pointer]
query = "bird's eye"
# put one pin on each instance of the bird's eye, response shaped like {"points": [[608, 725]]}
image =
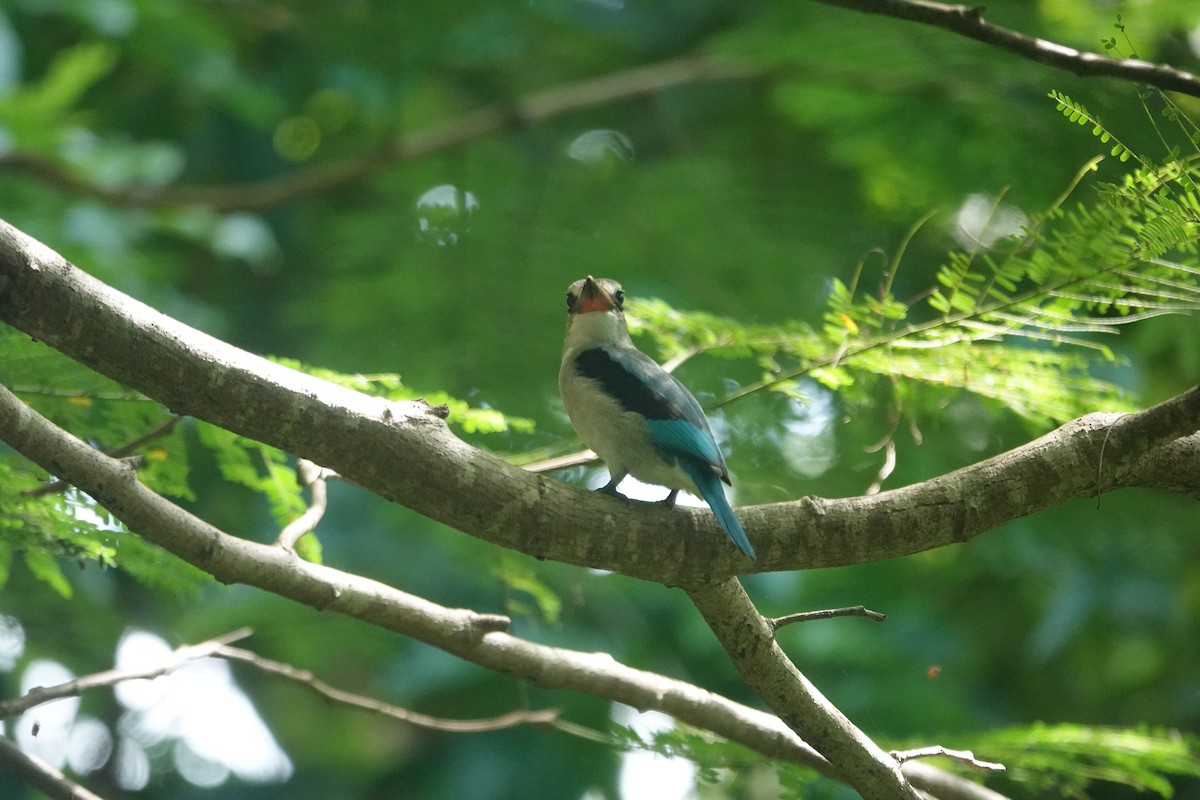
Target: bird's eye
{"points": [[619, 298], [571, 301]]}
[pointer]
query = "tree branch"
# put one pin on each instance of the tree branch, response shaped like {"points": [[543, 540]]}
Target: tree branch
{"points": [[556, 101], [969, 21], [935, 751], [272, 192], [40, 775], [750, 642], [314, 478], [305, 678], [121, 451], [479, 638], [182, 655], [406, 453], [825, 613]]}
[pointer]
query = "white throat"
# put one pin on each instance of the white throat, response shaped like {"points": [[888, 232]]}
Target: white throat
{"points": [[596, 329]]}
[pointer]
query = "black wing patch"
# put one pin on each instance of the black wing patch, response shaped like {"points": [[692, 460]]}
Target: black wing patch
{"points": [[639, 384]]}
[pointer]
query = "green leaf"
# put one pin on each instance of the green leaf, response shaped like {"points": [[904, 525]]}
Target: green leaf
{"points": [[1068, 758], [517, 577], [36, 115], [309, 548], [1015, 323], [46, 569], [72, 73], [5, 563], [389, 385]]}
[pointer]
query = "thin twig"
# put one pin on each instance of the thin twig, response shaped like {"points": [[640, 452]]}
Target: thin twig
{"points": [[562, 462], [123, 451], [969, 21], [679, 359], [314, 477], [157, 432], [182, 655], [58, 486], [304, 677], [827, 613], [932, 751], [40, 775], [277, 191]]}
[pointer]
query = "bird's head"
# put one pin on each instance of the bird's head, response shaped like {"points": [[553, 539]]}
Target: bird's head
{"points": [[595, 313], [589, 295]]}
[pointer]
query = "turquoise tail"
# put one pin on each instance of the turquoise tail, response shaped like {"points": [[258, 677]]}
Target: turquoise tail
{"points": [[714, 494]]}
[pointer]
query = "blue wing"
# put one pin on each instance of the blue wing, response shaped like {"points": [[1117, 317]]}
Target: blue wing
{"points": [[681, 437], [677, 423], [678, 427]]}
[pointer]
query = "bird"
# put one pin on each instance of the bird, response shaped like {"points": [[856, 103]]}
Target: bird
{"points": [[634, 414]]}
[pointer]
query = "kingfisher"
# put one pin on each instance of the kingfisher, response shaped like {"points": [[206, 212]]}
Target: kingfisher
{"points": [[634, 414]]}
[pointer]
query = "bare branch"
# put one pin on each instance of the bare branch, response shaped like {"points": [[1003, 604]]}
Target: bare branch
{"points": [[157, 432], [58, 486], [273, 192], [561, 462], [40, 775], [827, 613], [933, 751], [181, 655], [556, 101], [969, 21], [750, 642], [314, 478], [307, 679]]}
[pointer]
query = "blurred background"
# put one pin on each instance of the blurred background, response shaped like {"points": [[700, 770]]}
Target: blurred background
{"points": [[782, 145]]}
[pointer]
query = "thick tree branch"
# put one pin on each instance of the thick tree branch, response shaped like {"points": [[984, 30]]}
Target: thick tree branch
{"points": [[750, 642], [969, 21], [479, 638], [272, 192], [122, 451], [406, 453]]}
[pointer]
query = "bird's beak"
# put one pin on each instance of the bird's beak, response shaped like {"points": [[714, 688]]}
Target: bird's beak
{"points": [[593, 297]]}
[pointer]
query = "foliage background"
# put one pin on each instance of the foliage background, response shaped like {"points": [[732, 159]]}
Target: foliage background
{"points": [[743, 197]]}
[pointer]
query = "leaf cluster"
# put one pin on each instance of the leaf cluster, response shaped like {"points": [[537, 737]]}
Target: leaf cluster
{"points": [[1017, 320], [1069, 759], [44, 522], [1064, 759]]}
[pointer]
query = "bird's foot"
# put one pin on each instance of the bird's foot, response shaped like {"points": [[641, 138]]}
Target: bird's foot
{"points": [[610, 488], [669, 500]]}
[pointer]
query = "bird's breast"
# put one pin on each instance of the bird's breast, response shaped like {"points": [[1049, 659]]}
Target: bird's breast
{"points": [[618, 436]]}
